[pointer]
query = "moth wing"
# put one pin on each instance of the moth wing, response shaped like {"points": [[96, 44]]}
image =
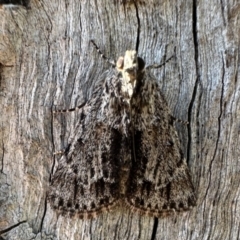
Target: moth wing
{"points": [[86, 181], [160, 181]]}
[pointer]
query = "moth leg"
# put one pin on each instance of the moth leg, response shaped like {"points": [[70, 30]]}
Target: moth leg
{"points": [[59, 152], [64, 151], [70, 109], [174, 119]]}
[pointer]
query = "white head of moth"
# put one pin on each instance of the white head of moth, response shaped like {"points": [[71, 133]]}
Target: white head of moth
{"points": [[131, 66]]}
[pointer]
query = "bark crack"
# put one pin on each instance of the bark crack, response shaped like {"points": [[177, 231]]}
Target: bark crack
{"points": [[12, 227], [219, 127], [2, 156], [44, 214], [53, 165], [222, 10], [138, 26], [194, 95], [3, 149], [155, 226], [24, 3]]}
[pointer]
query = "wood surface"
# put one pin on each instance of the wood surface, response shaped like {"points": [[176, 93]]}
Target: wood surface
{"points": [[47, 63]]}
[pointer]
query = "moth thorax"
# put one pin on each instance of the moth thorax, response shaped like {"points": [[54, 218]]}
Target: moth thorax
{"points": [[128, 66]]}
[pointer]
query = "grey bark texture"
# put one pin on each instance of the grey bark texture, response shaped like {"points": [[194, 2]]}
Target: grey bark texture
{"points": [[47, 63]]}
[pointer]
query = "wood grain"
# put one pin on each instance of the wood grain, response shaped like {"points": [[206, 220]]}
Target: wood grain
{"points": [[46, 61]]}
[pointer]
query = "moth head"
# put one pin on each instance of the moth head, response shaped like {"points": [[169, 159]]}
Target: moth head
{"points": [[130, 65]]}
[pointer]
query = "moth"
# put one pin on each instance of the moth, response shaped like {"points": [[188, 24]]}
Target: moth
{"points": [[125, 150]]}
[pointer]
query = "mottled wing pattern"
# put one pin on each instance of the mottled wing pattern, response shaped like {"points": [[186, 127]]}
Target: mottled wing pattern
{"points": [[159, 181], [87, 179], [125, 148]]}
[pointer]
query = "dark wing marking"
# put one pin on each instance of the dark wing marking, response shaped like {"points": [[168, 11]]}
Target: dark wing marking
{"points": [[159, 180], [87, 179]]}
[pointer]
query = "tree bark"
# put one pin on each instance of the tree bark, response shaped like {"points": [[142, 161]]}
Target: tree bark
{"points": [[47, 63]]}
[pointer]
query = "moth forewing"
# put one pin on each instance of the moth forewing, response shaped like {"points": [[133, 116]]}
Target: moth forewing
{"points": [[130, 153]]}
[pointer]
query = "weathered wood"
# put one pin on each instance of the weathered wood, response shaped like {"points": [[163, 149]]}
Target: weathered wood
{"points": [[47, 62]]}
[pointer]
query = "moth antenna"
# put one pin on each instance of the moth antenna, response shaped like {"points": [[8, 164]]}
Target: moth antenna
{"points": [[162, 64], [159, 65], [111, 62]]}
